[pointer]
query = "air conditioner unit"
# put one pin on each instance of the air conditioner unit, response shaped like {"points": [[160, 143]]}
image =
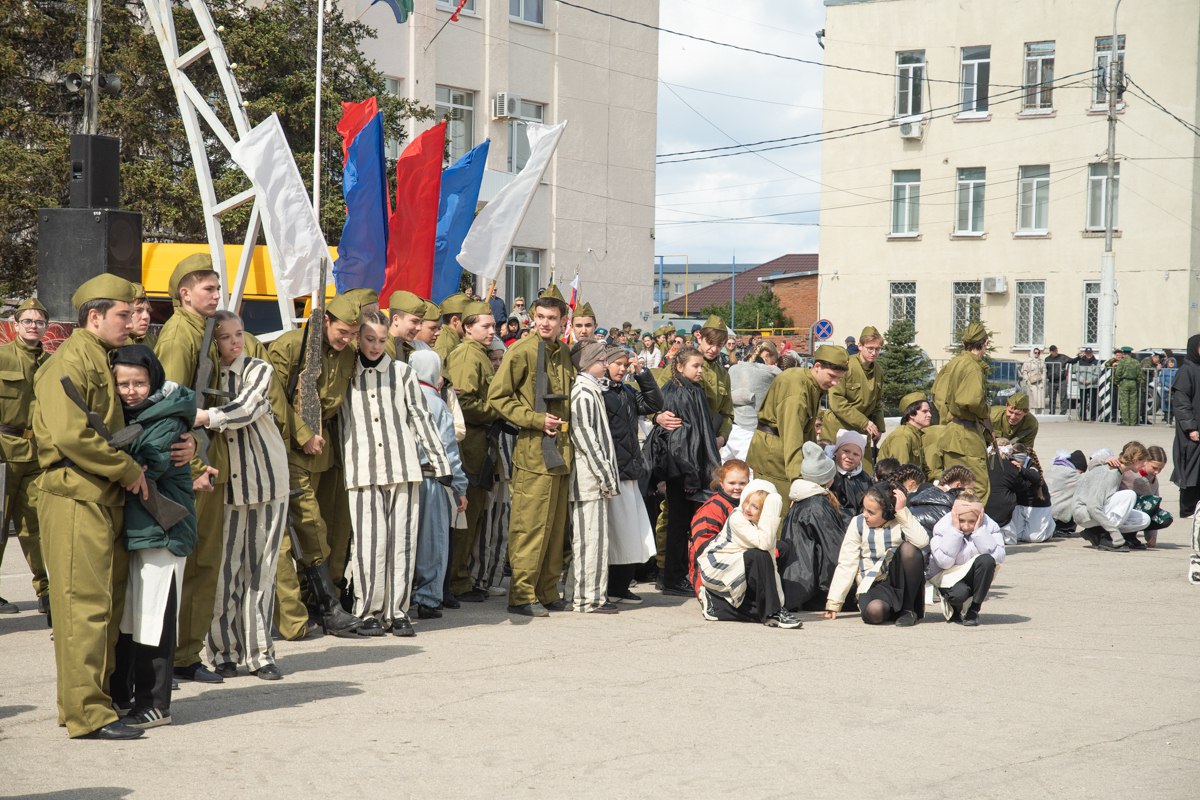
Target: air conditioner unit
{"points": [[508, 105], [996, 284], [911, 130]]}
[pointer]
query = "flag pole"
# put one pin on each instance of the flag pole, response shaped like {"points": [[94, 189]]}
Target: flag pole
{"points": [[316, 183]]}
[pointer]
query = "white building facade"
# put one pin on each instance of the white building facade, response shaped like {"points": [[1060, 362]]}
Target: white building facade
{"points": [[506, 62], [981, 187]]}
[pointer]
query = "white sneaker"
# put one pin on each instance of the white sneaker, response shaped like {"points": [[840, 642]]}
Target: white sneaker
{"points": [[497, 591], [1194, 570], [706, 605]]}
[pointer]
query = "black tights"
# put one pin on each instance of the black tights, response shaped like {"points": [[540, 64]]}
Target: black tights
{"points": [[901, 591]]}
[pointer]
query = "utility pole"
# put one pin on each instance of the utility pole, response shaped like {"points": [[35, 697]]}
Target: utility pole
{"points": [[91, 68], [1106, 316], [733, 292]]}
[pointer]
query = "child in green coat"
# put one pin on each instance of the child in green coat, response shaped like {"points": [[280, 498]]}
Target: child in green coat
{"points": [[141, 683]]}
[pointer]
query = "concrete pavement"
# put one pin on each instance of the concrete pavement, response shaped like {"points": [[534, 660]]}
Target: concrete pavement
{"points": [[1081, 683]]}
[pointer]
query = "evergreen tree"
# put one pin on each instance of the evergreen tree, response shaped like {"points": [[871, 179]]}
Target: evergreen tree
{"points": [[905, 366], [760, 310]]}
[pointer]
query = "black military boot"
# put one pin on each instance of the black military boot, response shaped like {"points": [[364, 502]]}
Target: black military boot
{"points": [[334, 620]]}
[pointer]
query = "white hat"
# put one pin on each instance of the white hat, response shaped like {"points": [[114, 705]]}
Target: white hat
{"points": [[846, 436]]}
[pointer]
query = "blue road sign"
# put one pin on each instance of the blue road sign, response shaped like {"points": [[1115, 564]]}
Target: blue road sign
{"points": [[823, 329]]}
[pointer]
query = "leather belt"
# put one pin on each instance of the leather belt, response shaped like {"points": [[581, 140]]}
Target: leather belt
{"points": [[765, 428], [966, 423], [13, 430]]}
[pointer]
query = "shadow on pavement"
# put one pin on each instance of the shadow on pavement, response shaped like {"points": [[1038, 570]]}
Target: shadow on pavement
{"points": [[90, 793], [362, 652], [12, 711], [251, 699], [986, 619], [24, 622]]}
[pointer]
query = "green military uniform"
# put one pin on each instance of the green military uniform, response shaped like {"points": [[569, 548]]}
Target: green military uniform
{"points": [[471, 372], [403, 302], [960, 394], [449, 339], [857, 399], [906, 444], [18, 363], [786, 420], [80, 512], [1128, 376], [1025, 431], [539, 494]]}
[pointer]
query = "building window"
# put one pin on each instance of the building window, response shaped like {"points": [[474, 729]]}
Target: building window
{"points": [[976, 71], [1031, 313], [1033, 200], [971, 184], [910, 73], [678, 288], [518, 144], [696, 286], [391, 147], [523, 273], [458, 107], [1039, 76], [527, 11], [1103, 59], [1097, 194], [903, 301], [1091, 313], [968, 298], [453, 4], [906, 201]]}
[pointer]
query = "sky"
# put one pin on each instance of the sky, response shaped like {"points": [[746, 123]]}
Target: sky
{"points": [[746, 97]]}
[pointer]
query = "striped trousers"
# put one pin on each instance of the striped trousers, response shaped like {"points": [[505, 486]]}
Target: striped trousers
{"points": [[245, 598], [587, 581], [487, 558], [385, 549]]}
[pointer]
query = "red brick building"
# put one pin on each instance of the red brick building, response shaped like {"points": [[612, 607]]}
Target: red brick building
{"points": [[793, 279]]}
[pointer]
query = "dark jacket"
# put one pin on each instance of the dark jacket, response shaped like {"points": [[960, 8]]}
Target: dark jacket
{"points": [[163, 421], [1007, 481], [624, 405], [814, 530], [688, 453], [929, 504], [1185, 405], [1028, 494], [850, 491]]}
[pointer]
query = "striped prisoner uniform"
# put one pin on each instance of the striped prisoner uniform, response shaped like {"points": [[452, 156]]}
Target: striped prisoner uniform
{"points": [[487, 559], [383, 419], [255, 512], [594, 479]]}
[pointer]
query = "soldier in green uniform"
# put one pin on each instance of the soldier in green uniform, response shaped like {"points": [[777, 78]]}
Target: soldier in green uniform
{"points": [[139, 332], [319, 515], [906, 444], [539, 489], [195, 290], [960, 394], [431, 326], [81, 495], [470, 371], [406, 310], [451, 335], [1014, 421], [19, 360], [857, 401], [1128, 376], [788, 418], [583, 323]]}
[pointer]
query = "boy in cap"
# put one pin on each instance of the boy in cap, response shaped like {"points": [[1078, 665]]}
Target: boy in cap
{"points": [[431, 327], [80, 497], [407, 315], [451, 336], [541, 458], [139, 331], [856, 403], [583, 324], [594, 479], [20, 360], [906, 443], [961, 396], [1014, 421]]}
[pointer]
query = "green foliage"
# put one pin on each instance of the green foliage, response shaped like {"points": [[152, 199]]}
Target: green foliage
{"points": [[273, 45], [905, 367], [760, 310]]}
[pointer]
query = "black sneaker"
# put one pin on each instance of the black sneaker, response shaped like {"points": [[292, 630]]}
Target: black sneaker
{"points": [[227, 670], [428, 612], [144, 718], [906, 619], [679, 588], [783, 619], [971, 618], [473, 596], [402, 627], [451, 602], [370, 627], [8, 608], [628, 598]]}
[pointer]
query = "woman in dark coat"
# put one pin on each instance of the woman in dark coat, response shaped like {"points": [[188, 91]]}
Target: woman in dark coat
{"points": [[1185, 405], [814, 530]]}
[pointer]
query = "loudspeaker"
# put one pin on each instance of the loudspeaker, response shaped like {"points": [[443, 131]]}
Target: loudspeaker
{"points": [[95, 171], [75, 244]]}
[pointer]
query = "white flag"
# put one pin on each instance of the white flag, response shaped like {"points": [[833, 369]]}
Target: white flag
{"points": [[485, 250], [294, 237]]}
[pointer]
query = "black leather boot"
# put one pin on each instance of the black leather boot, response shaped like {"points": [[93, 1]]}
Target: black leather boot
{"points": [[334, 620]]}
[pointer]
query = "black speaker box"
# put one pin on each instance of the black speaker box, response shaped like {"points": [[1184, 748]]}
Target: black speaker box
{"points": [[95, 171], [76, 244]]}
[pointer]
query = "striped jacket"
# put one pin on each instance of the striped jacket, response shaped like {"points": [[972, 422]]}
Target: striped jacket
{"points": [[722, 565], [594, 475], [863, 552], [383, 418], [258, 462]]}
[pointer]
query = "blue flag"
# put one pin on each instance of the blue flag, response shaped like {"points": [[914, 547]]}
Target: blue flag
{"points": [[362, 250], [456, 211]]}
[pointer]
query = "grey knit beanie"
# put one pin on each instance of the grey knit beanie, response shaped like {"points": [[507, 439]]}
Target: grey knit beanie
{"points": [[816, 466]]}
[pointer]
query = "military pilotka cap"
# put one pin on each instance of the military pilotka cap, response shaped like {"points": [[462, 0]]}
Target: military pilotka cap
{"points": [[975, 332], [362, 296], [344, 309], [454, 304], [585, 310], [715, 322], [832, 355], [868, 333], [103, 287], [432, 312], [1019, 401], [911, 398], [197, 262], [552, 293], [665, 330], [406, 302], [32, 304], [476, 308], [139, 292]]}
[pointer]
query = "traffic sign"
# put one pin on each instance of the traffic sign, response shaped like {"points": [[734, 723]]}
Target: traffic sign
{"points": [[823, 329]]}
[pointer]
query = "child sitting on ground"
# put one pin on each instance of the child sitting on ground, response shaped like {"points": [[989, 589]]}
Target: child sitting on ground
{"points": [[966, 550]]}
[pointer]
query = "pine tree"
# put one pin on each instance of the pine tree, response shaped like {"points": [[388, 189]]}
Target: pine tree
{"points": [[906, 368]]}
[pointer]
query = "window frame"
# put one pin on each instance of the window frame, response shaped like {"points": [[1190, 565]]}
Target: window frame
{"points": [[468, 124], [512, 264], [1091, 297], [1026, 338], [1038, 97], [907, 298], [1103, 51], [450, 5], [974, 312], [1033, 184], [910, 79], [391, 146], [516, 134], [975, 205], [911, 203], [522, 15], [1098, 184], [975, 64]]}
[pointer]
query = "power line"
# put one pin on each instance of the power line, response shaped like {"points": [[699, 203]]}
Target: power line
{"points": [[1148, 98]]}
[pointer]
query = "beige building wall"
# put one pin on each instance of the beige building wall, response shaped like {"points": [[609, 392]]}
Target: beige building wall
{"points": [[1158, 217], [595, 210]]}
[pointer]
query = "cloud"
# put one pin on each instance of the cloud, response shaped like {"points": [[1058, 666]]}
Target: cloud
{"points": [[746, 97]]}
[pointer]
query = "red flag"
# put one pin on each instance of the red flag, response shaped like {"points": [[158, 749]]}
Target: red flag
{"points": [[454, 16], [413, 226], [355, 116]]}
